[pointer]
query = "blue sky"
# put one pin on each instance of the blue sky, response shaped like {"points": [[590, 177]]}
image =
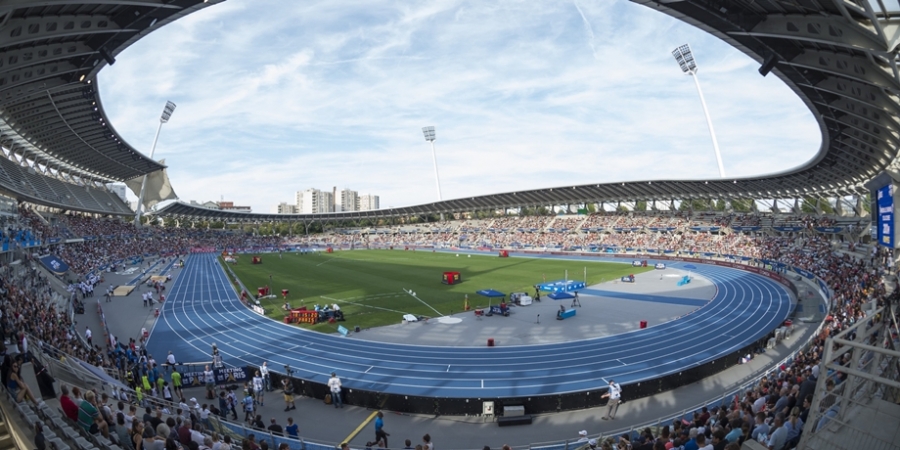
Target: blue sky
{"points": [[279, 96]]}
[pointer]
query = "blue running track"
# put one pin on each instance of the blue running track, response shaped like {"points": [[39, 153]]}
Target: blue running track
{"points": [[202, 308]]}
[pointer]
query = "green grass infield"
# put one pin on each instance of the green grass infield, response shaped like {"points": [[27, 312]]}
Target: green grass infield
{"points": [[372, 286]]}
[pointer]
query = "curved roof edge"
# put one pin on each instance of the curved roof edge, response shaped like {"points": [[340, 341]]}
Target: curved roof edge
{"points": [[837, 57], [51, 52]]}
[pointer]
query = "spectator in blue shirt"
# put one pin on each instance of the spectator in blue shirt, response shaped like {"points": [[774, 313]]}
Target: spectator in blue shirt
{"points": [[380, 434], [292, 429]]}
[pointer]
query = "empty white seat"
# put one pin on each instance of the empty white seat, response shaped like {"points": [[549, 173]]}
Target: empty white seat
{"points": [[83, 443], [58, 444]]}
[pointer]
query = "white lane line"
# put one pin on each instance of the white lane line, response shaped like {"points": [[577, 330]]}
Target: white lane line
{"points": [[323, 262]]}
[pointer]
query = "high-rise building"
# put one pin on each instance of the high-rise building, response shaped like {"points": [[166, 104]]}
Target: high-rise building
{"points": [[349, 200], [285, 208], [314, 201], [369, 202]]}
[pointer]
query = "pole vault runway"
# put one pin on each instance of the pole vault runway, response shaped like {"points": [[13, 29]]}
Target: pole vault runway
{"points": [[202, 308]]}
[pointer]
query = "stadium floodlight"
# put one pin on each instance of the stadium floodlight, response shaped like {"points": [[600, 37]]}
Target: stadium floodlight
{"points": [[429, 136], [688, 64], [163, 118]]}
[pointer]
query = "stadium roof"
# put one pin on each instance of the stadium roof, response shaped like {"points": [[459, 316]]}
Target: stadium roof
{"points": [[50, 54], [839, 58]]}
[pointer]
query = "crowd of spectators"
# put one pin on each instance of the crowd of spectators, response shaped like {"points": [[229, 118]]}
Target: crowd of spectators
{"points": [[807, 221], [662, 231], [773, 411], [127, 244]]}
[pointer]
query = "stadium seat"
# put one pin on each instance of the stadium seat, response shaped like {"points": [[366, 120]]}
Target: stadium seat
{"points": [[58, 444], [83, 444], [69, 432], [102, 441]]}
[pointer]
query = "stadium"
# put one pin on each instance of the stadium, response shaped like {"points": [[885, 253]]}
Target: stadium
{"points": [[769, 298]]}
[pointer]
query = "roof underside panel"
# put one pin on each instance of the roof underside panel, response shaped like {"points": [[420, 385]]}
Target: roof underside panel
{"points": [[50, 53]]}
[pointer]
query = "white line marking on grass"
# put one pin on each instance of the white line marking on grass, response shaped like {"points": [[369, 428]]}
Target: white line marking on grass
{"points": [[360, 304], [323, 262], [413, 295]]}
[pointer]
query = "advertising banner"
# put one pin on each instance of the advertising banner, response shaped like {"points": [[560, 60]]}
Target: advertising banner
{"points": [[885, 202]]}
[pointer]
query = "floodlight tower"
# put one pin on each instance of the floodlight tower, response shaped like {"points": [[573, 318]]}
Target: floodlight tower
{"points": [[429, 136], [166, 114], [685, 59]]}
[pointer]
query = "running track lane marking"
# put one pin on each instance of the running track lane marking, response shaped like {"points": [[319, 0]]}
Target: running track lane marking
{"points": [[360, 427]]}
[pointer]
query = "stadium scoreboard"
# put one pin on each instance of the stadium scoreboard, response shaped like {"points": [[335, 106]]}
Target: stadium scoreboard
{"points": [[884, 192]]}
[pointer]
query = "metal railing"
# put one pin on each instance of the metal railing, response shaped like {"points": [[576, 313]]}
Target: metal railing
{"points": [[862, 367]]}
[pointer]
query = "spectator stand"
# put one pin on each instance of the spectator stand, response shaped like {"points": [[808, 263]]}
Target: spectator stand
{"points": [[724, 400]]}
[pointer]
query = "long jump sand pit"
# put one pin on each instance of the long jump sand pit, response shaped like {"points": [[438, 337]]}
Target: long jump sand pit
{"points": [[122, 291]]}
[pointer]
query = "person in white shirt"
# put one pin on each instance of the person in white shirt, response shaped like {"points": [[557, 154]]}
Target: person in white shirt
{"points": [[204, 416], [760, 404], [582, 436], [209, 377], [170, 361], [702, 444], [259, 389], [264, 371], [334, 385], [614, 394], [129, 418]]}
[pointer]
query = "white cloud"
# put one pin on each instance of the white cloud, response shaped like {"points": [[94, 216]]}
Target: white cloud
{"points": [[275, 97]]}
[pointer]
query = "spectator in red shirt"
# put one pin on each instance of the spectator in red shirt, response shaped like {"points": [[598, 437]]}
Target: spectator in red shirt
{"points": [[68, 406], [184, 433]]}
